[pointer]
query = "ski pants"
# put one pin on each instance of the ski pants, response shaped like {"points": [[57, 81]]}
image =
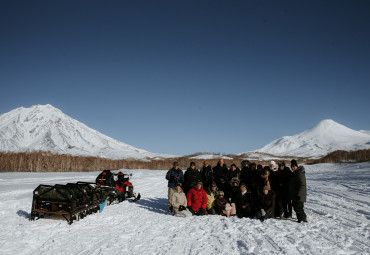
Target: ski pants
{"points": [[170, 193], [298, 208]]}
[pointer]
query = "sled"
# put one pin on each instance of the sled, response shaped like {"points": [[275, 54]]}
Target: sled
{"points": [[70, 201]]}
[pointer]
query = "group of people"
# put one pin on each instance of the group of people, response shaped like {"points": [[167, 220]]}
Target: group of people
{"points": [[253, 191]]}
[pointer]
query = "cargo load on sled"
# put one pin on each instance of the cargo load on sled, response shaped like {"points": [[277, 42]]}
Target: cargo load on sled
{"points": [[74, 201], [71, 201]]}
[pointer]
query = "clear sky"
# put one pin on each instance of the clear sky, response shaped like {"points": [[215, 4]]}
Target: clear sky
{"points": [[181, 77]]}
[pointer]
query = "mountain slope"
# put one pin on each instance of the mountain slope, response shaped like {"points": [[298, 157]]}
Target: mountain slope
{"points": [[324, 137], [46, 128], [365, 132]]}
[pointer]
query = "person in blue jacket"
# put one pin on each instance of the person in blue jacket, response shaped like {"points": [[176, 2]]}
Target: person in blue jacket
{"points": [[174, 176]]}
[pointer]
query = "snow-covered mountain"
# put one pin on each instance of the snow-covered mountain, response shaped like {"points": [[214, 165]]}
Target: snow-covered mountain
{"points": [[324, 137], [46, 128], [365, 132]]}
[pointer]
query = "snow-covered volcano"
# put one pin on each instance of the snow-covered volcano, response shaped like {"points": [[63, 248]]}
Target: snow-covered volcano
{"points": [[324, 137], [46, 128]]}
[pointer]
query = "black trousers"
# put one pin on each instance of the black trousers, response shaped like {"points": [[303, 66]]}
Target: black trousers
{"points": [[245, 212], [200, 212], [283, 204], [287, 207], [298, 208]]}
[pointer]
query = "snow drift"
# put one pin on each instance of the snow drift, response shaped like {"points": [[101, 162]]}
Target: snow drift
{"points": [[46, 128]]}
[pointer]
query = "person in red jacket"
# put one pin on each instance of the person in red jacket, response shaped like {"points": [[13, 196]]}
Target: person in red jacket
{"points": [[197, 200]]}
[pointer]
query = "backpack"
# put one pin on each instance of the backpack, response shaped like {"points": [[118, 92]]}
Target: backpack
{"points": [[105, 178]]}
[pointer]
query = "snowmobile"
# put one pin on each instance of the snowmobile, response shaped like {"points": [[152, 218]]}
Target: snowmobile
{"points": [[124, 185], [118, 190]]}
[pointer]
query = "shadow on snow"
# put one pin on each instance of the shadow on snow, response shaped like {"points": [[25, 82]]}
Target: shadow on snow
{"points": [[157, 205], [24, 214]]}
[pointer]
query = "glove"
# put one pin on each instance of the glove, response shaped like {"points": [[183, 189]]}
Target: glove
{"points": [[182, 208], [263, 212]]}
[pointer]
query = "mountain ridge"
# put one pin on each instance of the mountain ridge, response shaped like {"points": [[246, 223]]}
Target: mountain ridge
{"points": [[46, 128], [324, 137]]}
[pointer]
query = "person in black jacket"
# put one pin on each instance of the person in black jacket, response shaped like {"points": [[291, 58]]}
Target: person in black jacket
{"points": [[244, 172], [191, 177], [234, 189], [252, 179], [298, 190], [245, 205], [266, 204], [280, 186], [220, 170], [224, 186], [234, 172], [207, 175]]}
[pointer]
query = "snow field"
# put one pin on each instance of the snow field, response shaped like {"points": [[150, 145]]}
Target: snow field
{"points": [[338, 211]]}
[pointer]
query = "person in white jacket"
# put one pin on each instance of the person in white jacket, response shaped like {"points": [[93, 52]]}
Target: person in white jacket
{"points": [[179, 202]]}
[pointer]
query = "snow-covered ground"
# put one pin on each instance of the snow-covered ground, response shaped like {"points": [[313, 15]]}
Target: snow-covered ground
{"points": [[338, 210]]}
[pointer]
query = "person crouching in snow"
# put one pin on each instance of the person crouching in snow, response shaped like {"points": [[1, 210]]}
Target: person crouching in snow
{"points": [[179, 202], [197, 200], [245, 206], [223, 206], [266, 204], [211, 196]]}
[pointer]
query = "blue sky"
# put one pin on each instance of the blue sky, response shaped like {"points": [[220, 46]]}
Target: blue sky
{"points": [[181, 77]]}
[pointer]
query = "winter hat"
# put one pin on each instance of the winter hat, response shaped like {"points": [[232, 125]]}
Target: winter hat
{"points": [[293, 163], [235, 179], [266, 188], [192, 163], [220, 193], [175, 163], [245, 162], [201, 183], [179, 184], [233, 165], [242, 185], [281, 163], [272, 163]]}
